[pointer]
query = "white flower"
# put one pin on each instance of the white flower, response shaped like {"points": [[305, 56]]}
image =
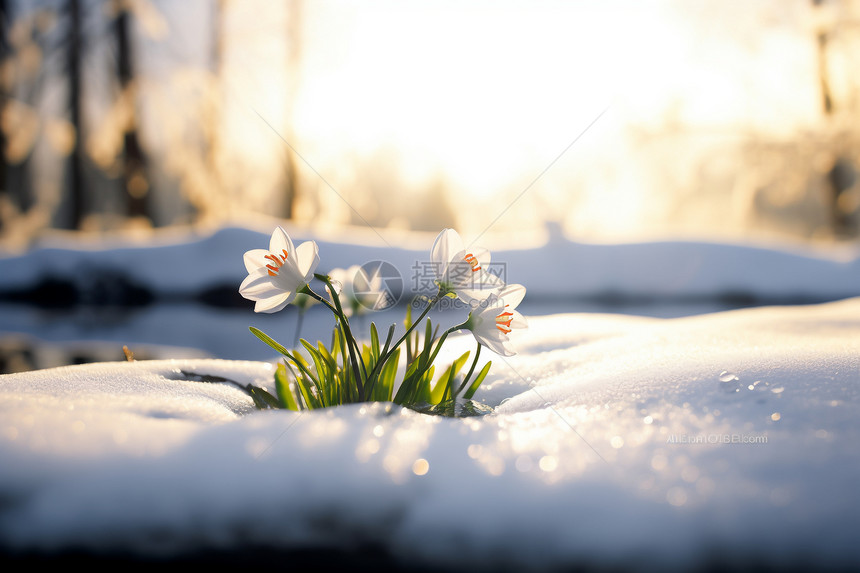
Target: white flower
{"points": [[342, 281], [494, 319], [463, 271], [359, 290], [275, 276]]}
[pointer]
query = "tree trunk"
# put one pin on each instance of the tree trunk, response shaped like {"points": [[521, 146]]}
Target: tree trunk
{"points": [[135, 183], [294, 43], [4, 50], [76, 174]]}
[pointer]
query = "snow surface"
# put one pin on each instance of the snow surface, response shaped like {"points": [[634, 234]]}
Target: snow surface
{"points": [[181, 263], [643, 443]]}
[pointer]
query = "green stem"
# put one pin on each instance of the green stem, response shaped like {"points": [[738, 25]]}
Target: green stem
{"points": [[471, 371], [307, 290], [384, 357], [442, 292], [439, 346], [374, 374], [350, 340], [442, 339]]}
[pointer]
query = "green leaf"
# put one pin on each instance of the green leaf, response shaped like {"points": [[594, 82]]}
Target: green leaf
{"points": [[422, 390], [262, 399], [387, 376], [428, 336], [282, 388], [439, 389], [278, 347], [310, 399], [443, 388], [374, 342], [304, 367], [477, 381], [327, 356], [319, 363], [407, 386]]}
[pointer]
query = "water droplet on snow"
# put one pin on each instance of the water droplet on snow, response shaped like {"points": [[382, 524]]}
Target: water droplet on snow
{"points": [[729, 382], [726, 376]]}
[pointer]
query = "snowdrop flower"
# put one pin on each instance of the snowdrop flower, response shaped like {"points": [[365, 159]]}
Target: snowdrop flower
{"points": [[495, 318], [342, 281], [360, 290], [275, 276], [461, 271]]}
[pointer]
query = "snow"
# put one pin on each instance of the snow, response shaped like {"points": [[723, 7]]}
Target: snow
{"points": [[577, 464], [723, 439], [183, 263]]}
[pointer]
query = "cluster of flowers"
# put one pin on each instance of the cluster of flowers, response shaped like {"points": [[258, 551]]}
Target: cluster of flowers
{"points": [[282, 274]]}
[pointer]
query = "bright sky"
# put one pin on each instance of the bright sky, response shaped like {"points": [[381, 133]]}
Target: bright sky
{"points": [[489, 98], [491, 95]]}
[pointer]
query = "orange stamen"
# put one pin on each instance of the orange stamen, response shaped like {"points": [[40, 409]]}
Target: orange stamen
{"points": [[277, 262], [470, 258], [504, 324]]}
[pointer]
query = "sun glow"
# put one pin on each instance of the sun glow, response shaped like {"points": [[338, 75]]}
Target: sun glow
{"points": [[611, 119]]}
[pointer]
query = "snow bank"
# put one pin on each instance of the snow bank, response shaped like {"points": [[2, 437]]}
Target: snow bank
{"points": [[724, 439], [185, 264]]}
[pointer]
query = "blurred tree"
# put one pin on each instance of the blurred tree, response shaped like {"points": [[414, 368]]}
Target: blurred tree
{"points": [[134, 178], [4, 97], [841, 176], [20, 57], [294, 43], [76, 198]]}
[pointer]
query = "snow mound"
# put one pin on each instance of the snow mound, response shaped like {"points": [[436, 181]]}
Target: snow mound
{"points": [[717, 440], [185, 264]]}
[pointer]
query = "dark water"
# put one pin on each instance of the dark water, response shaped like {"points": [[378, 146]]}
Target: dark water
{"points": [[33, 337]]}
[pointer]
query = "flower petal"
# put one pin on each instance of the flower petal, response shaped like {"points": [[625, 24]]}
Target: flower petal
{"points": [[289, 277], [255, 259], [281, 241], [274, 303], [512, 295], [258, 285], [518, 321], [498, 344], [307, 258], [507, 348], [447, 244], [475, 297]]}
